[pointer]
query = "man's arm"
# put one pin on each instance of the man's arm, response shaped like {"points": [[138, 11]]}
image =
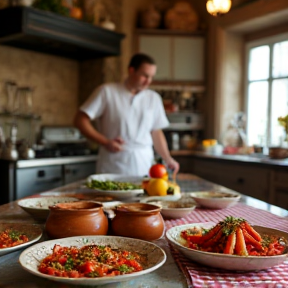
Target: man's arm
{"points": [[161, 147], [83, 123]]}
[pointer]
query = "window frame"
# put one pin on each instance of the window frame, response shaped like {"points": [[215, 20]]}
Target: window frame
{"points": [[270, 41]]}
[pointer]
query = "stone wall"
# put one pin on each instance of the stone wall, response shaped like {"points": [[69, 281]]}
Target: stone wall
{"points": [[55, 80]]}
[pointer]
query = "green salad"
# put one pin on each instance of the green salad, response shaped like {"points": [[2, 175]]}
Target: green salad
{"points": [[112, 185]]}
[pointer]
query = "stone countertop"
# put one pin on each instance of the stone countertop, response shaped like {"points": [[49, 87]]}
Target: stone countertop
{"points": [[12, 275], [249, 158]]}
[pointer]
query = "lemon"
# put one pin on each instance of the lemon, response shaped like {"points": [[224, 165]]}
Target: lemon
{"points": [[157, 187]]}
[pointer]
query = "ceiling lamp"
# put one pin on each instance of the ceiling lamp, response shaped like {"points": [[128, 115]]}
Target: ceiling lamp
{"points": [[218, 7]]}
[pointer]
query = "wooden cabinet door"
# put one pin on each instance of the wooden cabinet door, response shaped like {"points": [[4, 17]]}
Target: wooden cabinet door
{"points": [[188, 60], [243, 178], [158, 47], [178, 58]]}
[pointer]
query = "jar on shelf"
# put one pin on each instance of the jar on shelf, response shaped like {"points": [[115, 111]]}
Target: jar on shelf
{"points": [[150, 18]]}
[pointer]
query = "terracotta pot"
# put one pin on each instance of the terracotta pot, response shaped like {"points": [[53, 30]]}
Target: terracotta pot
{"points": [[138, 220], [150, 18], [75, 219]]}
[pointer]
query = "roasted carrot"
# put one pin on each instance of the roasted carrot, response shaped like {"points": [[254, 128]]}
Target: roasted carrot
{"points": [[252, 231], [240, 246], [230, 244], [249, 239], [213, 240], [211, 233]]}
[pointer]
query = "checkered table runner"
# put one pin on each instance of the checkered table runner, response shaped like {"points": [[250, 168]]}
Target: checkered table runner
{"points": [[201, 276]]}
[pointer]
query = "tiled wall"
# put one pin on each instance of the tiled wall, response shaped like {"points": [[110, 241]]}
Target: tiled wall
{"points": [[55, 80]]}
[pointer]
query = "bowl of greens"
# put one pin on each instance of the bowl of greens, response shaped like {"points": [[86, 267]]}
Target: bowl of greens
{"points": [[116, 185]]}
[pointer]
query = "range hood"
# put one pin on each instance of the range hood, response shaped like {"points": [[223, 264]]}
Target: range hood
{"points": [[47, 32]]}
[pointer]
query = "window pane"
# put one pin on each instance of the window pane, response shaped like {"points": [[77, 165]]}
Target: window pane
{"points": [[259, 63], [280, 59], [279, 108], [257, 113]]}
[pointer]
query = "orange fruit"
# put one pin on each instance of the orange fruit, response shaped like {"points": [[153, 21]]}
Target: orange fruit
{"points": [[165, 176], [157, 187], [145, 183], [76, 12]]}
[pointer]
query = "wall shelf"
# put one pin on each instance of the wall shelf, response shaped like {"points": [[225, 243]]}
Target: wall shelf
{"points": [[50, 33]]}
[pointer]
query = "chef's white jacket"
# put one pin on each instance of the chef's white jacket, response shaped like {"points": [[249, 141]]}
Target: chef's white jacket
{"points": [[119, 114]]}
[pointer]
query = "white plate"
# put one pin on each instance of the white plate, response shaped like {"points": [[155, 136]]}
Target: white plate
{"points": [[120, 194], [29, 258], [170, 207], [223, 261], [84, 195], [213, 199], [38, 207], [32, 231]]}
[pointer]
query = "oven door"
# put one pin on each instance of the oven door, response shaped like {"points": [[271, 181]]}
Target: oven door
{"points": [[37, 179]]}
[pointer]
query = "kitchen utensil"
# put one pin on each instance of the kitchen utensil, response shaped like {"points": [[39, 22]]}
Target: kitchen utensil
{"points": [[138, 220], [76, 219], [10, 151], [11, 91]]}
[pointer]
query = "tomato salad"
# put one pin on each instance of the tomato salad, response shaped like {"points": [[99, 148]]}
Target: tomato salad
{"points": [[234, 236], [90, 261], [10, 238]]}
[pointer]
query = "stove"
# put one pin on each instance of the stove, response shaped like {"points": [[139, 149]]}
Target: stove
{"points": [[61, 142]]}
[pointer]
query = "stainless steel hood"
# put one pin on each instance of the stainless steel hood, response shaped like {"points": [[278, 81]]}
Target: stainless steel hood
{"points": [[47, 32]]}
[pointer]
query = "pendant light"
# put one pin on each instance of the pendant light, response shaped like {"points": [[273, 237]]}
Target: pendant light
{"points": [[218, 7]]}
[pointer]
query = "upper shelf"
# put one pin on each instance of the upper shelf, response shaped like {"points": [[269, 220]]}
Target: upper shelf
{"points": [[46, 32]]}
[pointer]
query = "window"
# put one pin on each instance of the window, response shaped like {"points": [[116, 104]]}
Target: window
{"points": [[267, 90]]}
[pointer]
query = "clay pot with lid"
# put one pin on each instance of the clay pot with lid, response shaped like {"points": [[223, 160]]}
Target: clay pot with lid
{"points": [[76, 219], [138, 220]]}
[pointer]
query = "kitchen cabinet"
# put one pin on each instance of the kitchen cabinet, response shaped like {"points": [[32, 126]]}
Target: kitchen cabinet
{"points": [[267, 181], [30, 181], [47, 32], [179, 57], [23, 178], [279, 189], [78, 171], [239, 177]]}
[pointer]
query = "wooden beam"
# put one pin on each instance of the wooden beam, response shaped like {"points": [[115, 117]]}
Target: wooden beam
{"points": [[255, 15]]}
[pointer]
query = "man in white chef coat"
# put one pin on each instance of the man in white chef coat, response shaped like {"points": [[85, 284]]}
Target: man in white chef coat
{"points": [[129, 119]]}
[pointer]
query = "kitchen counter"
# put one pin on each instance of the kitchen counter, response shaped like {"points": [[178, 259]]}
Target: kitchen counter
{"points": [[249, 158], [38, 162], [169, 275], [255, 175]]}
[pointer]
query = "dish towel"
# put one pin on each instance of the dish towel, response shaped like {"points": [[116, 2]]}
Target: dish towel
{"points": [[200, 276]]}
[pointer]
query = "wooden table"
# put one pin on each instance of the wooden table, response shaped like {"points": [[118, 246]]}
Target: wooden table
{"points": [[168, 276]]}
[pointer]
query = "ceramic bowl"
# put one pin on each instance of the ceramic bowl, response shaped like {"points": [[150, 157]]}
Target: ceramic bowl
{"points": [[156, 257], [32, 231], [38, 207], [174, 209], [215, 199], [225, 261], [76, 219], [138, 220]]}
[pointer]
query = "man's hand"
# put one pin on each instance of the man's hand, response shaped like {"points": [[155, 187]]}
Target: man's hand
{"points": [[115, 145], [173, 165]]}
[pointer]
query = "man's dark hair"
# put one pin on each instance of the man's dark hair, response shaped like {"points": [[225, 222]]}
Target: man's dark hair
{"points": [[138, 59]]}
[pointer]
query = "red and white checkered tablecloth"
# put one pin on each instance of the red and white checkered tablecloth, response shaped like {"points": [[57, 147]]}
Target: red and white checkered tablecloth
{"points": [[200, 276]]}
